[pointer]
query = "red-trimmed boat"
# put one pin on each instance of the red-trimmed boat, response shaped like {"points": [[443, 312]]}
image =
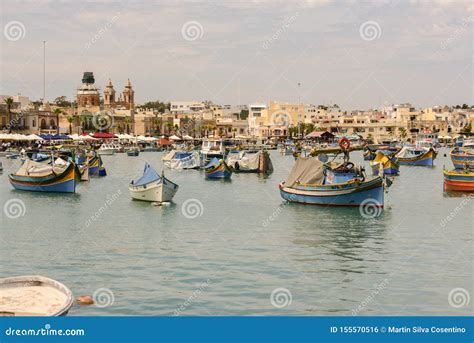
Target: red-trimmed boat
{"points": [[459, 180]]}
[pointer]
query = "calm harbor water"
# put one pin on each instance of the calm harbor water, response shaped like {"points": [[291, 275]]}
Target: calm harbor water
{"points": [[243, 244]]}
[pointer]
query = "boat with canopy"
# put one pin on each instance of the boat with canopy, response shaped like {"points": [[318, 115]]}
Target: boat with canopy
{"points": [[60, 176]]}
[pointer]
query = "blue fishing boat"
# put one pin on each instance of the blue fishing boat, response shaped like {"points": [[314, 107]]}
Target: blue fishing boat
{"points": [[416, 156], [38, 177], [96, 167], [369, 154], [217, 169], [462, 157], [133, 152], [315, 183], [385, 163]]}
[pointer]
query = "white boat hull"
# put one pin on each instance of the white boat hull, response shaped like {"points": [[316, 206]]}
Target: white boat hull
{"points": [[155, 191], [106, 151]]}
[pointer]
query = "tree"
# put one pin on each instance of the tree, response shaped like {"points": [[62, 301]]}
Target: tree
{"points": [[62, 101], [243, 114], [9, 102], [157, 105], [465, 106], [127, 121], [57, 112], [466, 128], [403, 132], [70, 119]]}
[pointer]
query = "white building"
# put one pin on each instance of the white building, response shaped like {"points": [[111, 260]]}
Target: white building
{"points": [[186, 106], [255, 113]]}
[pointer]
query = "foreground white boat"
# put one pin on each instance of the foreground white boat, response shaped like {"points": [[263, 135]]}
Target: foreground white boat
{"points": [[34, 296], [152, 187]]}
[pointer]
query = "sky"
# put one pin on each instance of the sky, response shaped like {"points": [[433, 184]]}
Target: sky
{"points": [[358, 54]]}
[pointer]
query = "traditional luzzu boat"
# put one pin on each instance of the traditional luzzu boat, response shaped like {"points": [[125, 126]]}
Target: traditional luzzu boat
{"points": [[369, 154], [34, 296], [416, 156], [96, 167], [250, 161], [60, 176], [217, 169], [181, 160], [384, 163], [152, 187], [316, 183], [459, 180], [460, 157]]}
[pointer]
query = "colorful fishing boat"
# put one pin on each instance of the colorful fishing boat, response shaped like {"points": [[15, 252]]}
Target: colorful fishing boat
{"points": [[369, 154], [38, 177], [315, 183], [416, 156], [96, 167], [462, 157], [459, 180], [152, 187], [385, 163], [217, 169]]}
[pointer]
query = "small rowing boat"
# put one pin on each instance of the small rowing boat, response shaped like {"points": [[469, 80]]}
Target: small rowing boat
{"points": [[416, 156], [34, 296], [152, 187]]}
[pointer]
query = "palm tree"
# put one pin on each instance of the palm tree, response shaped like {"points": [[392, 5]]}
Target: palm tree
{"points": [[57, 112], [70, 120], [127, 121], [9, 102]]}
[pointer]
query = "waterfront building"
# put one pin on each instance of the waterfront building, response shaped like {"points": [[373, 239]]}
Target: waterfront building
{"points": [[186, 107]]}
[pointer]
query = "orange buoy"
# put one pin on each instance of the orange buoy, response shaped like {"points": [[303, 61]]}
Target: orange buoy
{"points": [[85, 300]]}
